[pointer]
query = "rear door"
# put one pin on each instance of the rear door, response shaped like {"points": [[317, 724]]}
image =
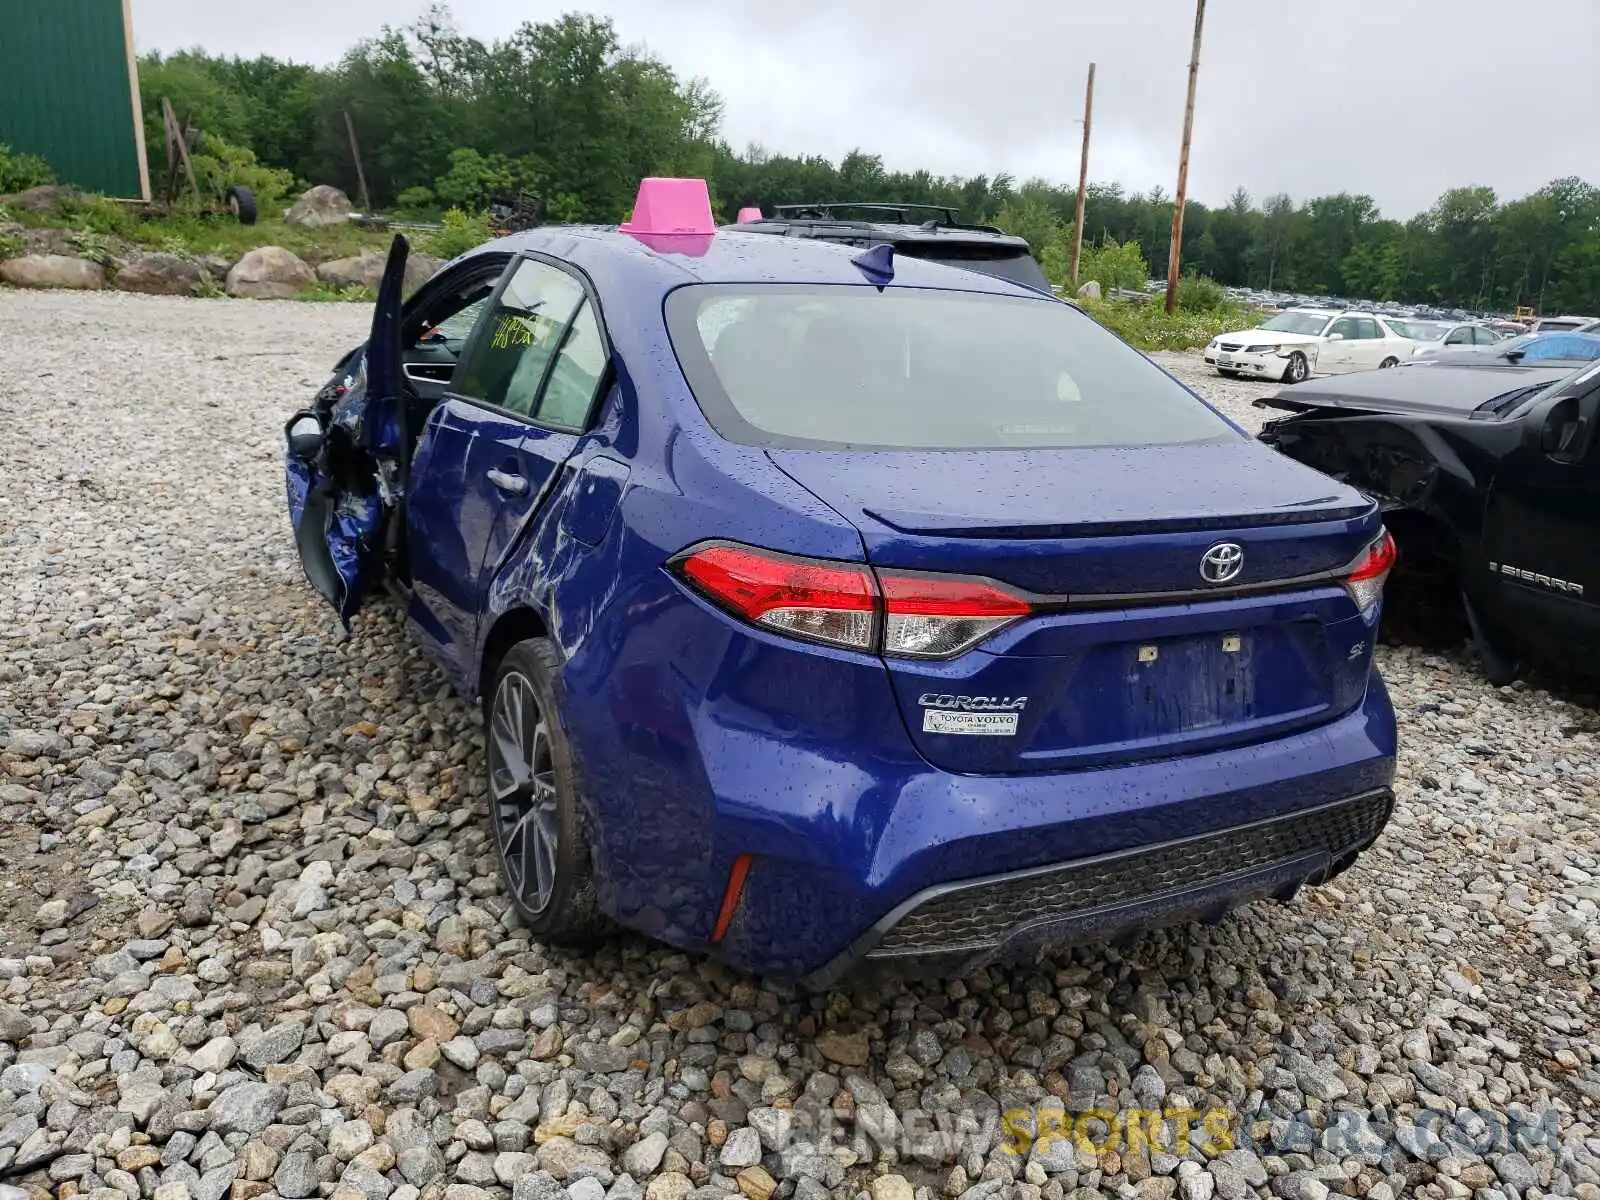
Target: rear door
{"points": [[1542, 531], [1370, 347], [488, 456]]}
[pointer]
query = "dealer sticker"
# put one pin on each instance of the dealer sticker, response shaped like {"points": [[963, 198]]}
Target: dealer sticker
{"points": [[979, 724]]}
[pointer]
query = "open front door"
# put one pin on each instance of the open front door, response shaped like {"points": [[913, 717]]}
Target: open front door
{"points": [[346, 459]]}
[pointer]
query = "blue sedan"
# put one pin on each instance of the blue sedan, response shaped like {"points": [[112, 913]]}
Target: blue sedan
{"points": [[830, 607]]}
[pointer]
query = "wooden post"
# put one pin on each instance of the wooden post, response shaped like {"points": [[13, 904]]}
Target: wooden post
{"points": [[177, 138], [361, 175], [1175, 253], [1083, 178]]}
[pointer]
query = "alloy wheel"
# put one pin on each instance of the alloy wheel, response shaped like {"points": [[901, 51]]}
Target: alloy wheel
{"points": [[522, 791]]}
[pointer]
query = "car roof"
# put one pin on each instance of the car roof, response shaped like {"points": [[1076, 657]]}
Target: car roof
{"points": [[616, 259]]}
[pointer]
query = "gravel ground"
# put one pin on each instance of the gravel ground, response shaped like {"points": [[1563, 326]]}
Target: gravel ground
{"points": [[251, 943]]}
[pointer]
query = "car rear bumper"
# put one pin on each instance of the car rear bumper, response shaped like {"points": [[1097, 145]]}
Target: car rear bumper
{"points": [[953, 929], [956, 870]]}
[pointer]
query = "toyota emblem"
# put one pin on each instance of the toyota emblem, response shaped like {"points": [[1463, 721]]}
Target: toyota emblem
{"points": [[1222, 562]]}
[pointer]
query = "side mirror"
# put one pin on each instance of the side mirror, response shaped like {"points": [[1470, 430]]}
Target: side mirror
{"points": [[305, 437], [1336, 337]]}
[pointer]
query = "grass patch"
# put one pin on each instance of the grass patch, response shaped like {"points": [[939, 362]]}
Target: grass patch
{"points": [[199, 234], [322, 293], [1147, 325]]}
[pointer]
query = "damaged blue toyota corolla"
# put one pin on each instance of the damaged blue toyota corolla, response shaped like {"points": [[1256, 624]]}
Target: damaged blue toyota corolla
{"points": [[827, 607]]}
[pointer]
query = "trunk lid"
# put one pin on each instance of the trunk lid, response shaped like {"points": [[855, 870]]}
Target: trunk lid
{"points": [[1130, 652]]}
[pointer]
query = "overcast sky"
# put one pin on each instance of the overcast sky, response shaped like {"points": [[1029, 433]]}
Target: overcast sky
{"points": [[1397, 98]]}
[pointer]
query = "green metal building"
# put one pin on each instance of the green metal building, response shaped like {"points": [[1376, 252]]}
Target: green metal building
{"points": [[69, 92]]}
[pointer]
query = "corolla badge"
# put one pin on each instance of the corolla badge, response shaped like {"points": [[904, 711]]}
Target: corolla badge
{"points": [[1222, 562]]}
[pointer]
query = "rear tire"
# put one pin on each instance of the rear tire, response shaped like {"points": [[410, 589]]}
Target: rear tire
{"points": [[1388, 362], [536, 810], [242, 204], [1298, 368]]}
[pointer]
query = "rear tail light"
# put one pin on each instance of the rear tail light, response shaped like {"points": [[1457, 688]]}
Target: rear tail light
{"points": [[848, 605], [1370, 570], [833, 603], [926, 616]]}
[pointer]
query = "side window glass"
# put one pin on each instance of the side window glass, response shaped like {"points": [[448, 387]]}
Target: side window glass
{"points": [[1367, 329], [1459, 337], [1345, 326], [576, 375], [518, 338]]}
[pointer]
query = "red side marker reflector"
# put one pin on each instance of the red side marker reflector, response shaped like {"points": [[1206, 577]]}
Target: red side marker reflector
{"points": [[730, 898]]}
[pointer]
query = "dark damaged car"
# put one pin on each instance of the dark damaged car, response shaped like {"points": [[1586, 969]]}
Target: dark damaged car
{"points": [[1489, 478]]}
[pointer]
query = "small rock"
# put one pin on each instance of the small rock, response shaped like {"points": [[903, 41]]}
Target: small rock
{"points": [[846, 1049]]}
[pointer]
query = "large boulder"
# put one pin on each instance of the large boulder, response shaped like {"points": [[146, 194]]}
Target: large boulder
{"points": [[45, 199], [420, 268], [1089, 291], [53, 271], [321, 205], [366, 270], [158, 274], [269, 273]]}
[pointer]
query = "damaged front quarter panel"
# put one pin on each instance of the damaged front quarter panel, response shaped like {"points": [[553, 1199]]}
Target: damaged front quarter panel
{"points": [[1404, 462]]}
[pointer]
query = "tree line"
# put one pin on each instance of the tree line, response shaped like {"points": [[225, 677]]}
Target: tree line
{"points": [[565, 111]]}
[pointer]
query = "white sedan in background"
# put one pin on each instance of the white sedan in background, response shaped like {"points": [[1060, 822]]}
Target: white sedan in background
{"points": [[1443, 339], [1300, 341]]}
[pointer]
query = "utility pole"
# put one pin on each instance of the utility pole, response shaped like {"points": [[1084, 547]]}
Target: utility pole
{"points": [[1175, 253], [355, 153], [1083, 178]]}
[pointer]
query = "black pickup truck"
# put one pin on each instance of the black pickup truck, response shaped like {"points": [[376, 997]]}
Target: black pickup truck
{"points": [[1489, 475]]}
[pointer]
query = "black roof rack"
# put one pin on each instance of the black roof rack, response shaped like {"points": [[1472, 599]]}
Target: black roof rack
{"points": [[944, 216]]}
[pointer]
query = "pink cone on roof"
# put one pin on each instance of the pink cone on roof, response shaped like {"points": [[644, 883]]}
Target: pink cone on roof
{"points": [[749, 213], [671, 208]]}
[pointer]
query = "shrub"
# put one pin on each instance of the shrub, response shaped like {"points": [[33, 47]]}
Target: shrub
{"points": [[90, 244], [11, 245], [1200, 293], [416, 202], [462, 232], [1114, 264], [19, 172], [97, 215], [475, 179], [1147, 325], [219, 165]]}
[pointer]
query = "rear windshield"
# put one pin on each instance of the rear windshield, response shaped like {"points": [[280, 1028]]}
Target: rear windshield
{"points": [[912, 369]]}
